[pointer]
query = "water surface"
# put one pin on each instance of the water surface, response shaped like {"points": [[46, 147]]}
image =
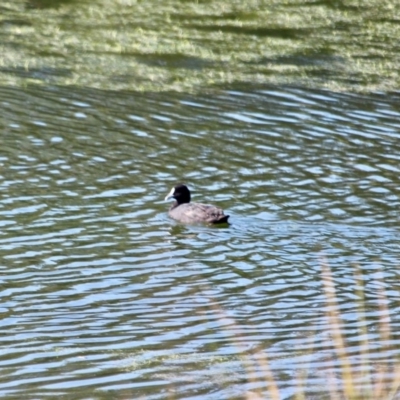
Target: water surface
{"points": [[104, 296], [191, 45]]}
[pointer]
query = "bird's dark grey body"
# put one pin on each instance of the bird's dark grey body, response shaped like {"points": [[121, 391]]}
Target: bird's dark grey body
{"points": [[197, 212]]}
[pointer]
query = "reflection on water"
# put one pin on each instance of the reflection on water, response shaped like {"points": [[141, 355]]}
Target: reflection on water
{"points": [[103, 293], [191, 45]]}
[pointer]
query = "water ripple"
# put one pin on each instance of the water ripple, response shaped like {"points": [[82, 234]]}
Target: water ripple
{"points": [[103, 293]]}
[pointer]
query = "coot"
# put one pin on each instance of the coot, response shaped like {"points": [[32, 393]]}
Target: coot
{"points": [[185, 211]]}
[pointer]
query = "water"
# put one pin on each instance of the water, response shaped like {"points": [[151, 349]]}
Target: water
{"points": [[187, 46], [103, 296]]}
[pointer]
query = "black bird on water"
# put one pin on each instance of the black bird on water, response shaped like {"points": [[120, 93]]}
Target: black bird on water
{"points": [[184, 211]]}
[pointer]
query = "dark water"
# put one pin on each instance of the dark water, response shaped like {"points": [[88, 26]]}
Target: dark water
{"points": [[103, 296]]}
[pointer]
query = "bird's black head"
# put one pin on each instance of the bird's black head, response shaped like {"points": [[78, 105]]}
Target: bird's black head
{"points": [[180, 193]]}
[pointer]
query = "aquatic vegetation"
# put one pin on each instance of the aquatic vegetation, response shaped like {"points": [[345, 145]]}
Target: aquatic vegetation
{"points": [[174, 45]]}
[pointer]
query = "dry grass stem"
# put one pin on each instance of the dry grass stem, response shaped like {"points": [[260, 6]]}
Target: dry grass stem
{"points": [[335, 323]]}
